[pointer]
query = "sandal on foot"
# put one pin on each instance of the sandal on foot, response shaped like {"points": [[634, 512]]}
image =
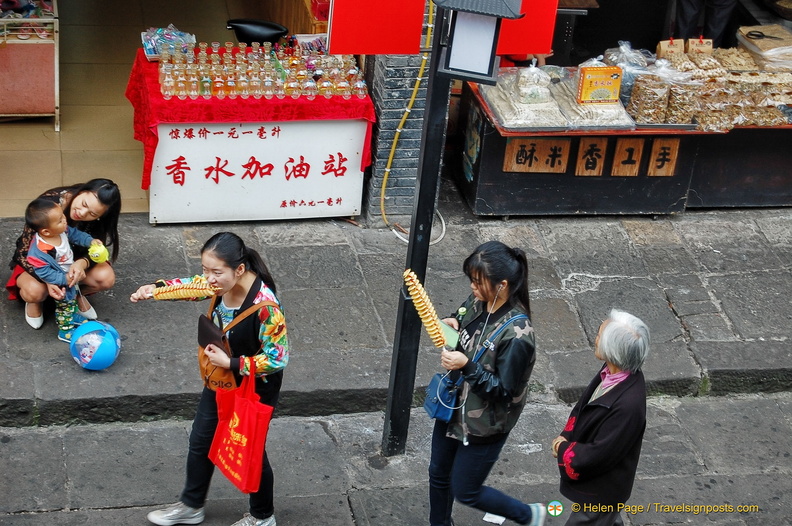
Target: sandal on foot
{"points": [[89, 313], [35, 322]]}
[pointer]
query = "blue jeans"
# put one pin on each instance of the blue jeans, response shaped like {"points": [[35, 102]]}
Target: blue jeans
{"points": [[458, 472], [200, 469]]}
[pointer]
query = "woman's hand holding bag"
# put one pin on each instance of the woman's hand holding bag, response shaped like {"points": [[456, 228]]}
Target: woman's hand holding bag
{"points": [[241, 436]]}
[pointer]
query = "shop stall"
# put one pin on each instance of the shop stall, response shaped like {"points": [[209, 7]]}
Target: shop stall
{"points": [[560, 171], [248, 158], [605, 139]]}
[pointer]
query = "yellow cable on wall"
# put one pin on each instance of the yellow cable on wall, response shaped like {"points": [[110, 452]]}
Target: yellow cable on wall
{"points": [[424, 59]]}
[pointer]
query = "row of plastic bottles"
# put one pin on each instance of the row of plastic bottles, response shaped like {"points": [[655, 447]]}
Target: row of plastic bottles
{"points": [[206, 83], [258, 73]]}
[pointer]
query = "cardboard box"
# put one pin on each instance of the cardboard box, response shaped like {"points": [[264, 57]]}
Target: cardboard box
{"points": [[670, 47], [599, 84], [698, 45]]}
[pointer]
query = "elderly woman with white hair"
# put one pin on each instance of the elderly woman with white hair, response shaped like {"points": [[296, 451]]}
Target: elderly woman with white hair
{"points": [[599, 448]]}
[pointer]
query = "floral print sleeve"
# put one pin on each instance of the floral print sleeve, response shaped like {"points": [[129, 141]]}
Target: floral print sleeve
{"points": [[274, 352]]}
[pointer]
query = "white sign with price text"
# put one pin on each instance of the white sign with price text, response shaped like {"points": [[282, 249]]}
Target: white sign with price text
{"points": [[257, 170]]}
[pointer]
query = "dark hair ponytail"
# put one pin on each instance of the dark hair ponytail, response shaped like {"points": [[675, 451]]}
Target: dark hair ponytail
{"points": [[519, 290], [230, 249], [495, 262]]}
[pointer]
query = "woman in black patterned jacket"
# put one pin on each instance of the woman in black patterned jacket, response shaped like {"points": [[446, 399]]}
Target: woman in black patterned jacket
{"points": [[495, 388]]}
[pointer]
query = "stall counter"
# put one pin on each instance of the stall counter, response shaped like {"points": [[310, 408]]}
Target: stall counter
{"points": [[263, 159], [650, 170]]}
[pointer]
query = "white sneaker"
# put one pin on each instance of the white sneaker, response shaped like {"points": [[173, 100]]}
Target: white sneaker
{"points": [[538, 514], [178, 513], [250, 520]]}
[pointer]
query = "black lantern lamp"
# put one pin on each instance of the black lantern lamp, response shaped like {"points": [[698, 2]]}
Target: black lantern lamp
{"points": [[473, 29]]}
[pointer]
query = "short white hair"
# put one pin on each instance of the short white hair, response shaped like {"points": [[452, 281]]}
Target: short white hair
{"points": [[624, 341]]}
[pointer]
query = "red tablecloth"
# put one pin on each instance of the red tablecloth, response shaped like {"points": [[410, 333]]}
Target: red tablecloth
{"points": [[151, 109]]}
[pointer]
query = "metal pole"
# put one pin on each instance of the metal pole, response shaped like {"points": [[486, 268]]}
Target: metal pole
{"points": [[408, 324]]}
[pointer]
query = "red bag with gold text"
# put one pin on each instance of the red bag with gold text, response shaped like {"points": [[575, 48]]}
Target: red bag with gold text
{"points": [[241, 436]]}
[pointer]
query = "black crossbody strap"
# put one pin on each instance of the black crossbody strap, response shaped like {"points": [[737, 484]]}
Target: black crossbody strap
{"points": [[491, 338]]}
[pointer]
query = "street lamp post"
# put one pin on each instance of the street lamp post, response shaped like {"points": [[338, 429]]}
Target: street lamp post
{"points": [[408, 324], [456, 53]]}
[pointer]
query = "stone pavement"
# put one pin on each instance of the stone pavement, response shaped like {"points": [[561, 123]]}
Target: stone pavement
{"points": [[714, 288]]}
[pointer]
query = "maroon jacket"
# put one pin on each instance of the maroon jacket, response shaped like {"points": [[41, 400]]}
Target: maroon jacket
{"points": [[598, 463]]}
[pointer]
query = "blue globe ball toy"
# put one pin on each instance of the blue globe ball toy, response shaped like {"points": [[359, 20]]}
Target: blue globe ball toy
{"points": [[95, 345]]}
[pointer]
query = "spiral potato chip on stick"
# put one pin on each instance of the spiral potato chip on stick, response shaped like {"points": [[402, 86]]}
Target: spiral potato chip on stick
{"points": [[426, 310], [198, 288]]}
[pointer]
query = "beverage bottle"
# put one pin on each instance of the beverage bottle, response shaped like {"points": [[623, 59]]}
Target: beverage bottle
{"points": [[168, 87], [351, 68], [326, 87], [218, 83], [193, 84], [292, 87], [309, 88], [206, 83], [359, 87], [243, 84], [181, 84], [231, 84], [342, 87], [268, 88], [280, 90], [164, 67], [255, 85]]}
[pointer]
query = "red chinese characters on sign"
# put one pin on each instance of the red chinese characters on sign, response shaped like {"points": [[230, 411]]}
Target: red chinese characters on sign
{"points": [[254, 168], [177, 170], [296, 167], [293, 169], [232, 133], [294, 203], [213, 172], [338, 169]]}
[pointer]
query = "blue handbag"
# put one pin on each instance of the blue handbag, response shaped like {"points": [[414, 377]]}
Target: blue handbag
{"points": [[442, 394]]}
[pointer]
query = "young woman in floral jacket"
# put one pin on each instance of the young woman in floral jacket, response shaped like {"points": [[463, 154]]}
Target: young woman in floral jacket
{"points": [[242, 280]]}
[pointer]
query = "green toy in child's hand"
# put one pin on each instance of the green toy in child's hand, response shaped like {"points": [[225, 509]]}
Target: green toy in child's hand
{"points": [[98, 253]]}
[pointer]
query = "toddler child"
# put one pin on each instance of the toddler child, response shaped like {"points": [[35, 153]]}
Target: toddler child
{"points": [[51, 255]]}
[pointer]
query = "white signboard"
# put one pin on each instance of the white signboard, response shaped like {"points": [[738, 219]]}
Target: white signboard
{"points": [[257, 170]]}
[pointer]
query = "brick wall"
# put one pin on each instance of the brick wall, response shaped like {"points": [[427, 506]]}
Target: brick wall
{"points": [[392, 81]]}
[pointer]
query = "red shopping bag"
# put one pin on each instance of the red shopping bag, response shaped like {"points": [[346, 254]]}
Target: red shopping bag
{"points": [[238, 445]]}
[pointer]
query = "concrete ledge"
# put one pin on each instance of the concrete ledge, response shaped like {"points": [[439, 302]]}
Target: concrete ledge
{"points": [[745, 367]]}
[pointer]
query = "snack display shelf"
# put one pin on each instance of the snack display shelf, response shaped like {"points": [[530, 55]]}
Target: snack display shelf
{"points": [[651, 169]]}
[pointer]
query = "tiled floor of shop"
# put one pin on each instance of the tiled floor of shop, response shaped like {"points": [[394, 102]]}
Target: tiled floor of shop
{"points": [[98, 41]]}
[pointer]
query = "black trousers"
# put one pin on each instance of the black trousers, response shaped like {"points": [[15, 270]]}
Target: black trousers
{"points": [[200, 469], [593, 518], [717, 15]]}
